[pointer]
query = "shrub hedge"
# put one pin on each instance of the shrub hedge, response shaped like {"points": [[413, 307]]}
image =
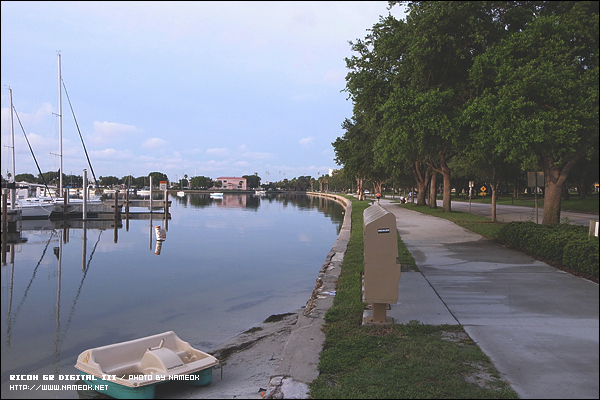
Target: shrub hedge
{"points": [[566, 244]]}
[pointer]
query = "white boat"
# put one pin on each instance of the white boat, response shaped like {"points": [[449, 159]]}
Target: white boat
{"points": [[131, 370], [34, 208], [216, 195], [31, 207], [181, 193], [260, 192]]}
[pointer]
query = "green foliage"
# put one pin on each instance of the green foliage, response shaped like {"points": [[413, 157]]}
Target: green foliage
{"points": [[489, 87], [25, 178], [582, 255], [201, 182], [252, 181], [108, 180], [127, 180], [565, 244], [157, 177]]}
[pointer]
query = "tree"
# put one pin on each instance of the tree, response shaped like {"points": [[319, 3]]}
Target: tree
{"points": [[141, 181], [539, 94], [50, 177], [355, 152], [25, 178], [202, 182], [108, 181], [157, 177], [584, 174], [252, 181], [422, 116], [127, 180], [73, 180]]}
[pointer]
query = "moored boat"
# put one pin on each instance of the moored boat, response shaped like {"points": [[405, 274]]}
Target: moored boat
{"points": [[34, 208], [216, 195], [131, 370]]}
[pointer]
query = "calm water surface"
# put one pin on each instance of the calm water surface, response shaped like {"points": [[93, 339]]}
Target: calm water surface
{"points": [[224, 267]]}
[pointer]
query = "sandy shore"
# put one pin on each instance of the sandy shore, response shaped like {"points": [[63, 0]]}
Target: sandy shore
{"points": [[248, 361]]}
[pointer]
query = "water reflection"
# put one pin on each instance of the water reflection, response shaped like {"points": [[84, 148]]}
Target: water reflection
{"points": [[224, 267]]}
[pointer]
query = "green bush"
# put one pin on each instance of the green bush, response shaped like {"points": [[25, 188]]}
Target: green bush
{"points": [[582, 255], [565, 244]]}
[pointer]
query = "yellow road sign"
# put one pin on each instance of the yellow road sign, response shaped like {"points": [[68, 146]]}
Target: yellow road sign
{"points": [[482, 189]]}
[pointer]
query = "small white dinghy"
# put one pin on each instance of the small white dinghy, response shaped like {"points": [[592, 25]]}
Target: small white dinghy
{"points": [[131, 370]]}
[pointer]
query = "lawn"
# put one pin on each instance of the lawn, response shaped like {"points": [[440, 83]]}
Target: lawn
{"points": [[588, 205]]}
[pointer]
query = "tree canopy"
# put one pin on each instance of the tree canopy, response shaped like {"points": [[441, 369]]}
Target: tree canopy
{"points": [[488, 85]]}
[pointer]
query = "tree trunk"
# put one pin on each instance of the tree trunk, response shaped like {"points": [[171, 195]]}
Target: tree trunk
{"points": [[360, 188], [433, 191], [554, 178], [421, 173], [494, 186], [445, 170], [552, 204], [378, 187]]}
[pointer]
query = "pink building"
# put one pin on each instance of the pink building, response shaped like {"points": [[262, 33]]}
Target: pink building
{"points": [[233, 183]]}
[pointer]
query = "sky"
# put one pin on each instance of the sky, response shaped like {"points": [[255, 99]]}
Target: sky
{"points": [[184, 88]]}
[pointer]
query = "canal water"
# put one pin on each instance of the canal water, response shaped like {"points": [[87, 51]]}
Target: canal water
{"points": [[225, 266]]}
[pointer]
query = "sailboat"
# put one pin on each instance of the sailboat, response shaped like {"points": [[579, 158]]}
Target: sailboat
{"points": [[73, 205], [31, 207]]}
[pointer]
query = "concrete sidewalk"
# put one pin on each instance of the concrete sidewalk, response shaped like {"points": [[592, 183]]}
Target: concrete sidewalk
{"points": [[538, 325]]}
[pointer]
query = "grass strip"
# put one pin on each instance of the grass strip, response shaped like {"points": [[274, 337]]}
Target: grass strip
{"points": [[475, 223], [395, 361], [590, 204]]}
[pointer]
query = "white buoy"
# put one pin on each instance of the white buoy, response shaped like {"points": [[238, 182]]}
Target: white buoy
{"points": [[160, 233]]}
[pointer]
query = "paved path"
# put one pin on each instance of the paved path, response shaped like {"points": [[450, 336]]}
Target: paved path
{"points": [[538, 325]]}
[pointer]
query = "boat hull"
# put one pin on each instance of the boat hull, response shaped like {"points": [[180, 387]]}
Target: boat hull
{"points": [[119, 391], [137, 366]]}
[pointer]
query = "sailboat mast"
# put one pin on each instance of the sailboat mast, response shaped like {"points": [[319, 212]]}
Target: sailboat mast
{"points": [[60, 150], [12, 144], [12, 135]]}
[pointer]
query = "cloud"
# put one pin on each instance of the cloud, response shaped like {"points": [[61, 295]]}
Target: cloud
{"points": [[306, 141], [303, 97], [220, 152], [336, 76], [256, 155], [30, 121], [107, 132], [154, 143]]}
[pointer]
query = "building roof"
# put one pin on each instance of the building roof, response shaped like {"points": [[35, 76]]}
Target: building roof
{"points": [[230, 177]]}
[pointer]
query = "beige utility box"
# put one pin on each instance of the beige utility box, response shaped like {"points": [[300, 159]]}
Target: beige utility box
{"points": [[382, 270]]}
